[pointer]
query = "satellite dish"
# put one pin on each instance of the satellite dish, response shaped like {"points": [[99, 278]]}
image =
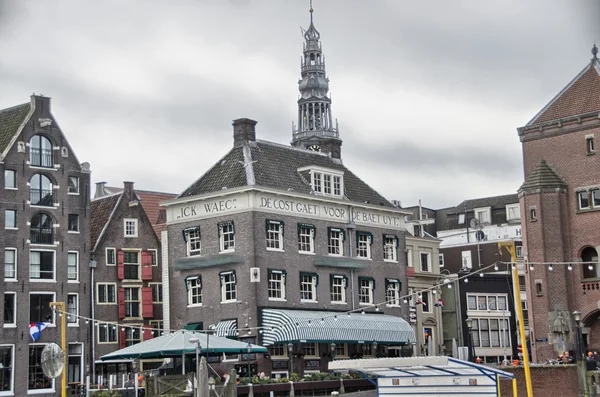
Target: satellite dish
{"points": [[52, 360], [474, 223]]}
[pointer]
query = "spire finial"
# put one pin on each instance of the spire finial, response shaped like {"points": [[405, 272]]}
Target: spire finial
{"points": [[594, 51], [310, 9]]}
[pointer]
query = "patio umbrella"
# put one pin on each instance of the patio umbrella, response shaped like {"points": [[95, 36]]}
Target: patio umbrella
{"points": [[178, 343]]}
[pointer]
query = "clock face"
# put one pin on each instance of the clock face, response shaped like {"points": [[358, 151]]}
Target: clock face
{"points": [[314, 148]]}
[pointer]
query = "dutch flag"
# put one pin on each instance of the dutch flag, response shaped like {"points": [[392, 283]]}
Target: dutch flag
{"points": [[35, 330]]}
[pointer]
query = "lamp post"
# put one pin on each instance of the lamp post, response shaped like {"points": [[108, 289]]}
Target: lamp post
{"points": [[249, 350], [578, 336], [471, 355], [197, 342], [332, 348], [290, 347]]}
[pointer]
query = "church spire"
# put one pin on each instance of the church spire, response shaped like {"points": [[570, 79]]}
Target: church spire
{"points": [[315, 129]]}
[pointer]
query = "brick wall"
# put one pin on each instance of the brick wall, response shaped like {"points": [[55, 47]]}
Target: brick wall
{"points": [[551, 380]]}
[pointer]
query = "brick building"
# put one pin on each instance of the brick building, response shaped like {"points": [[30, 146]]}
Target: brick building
{"points": [[44, 235], [559, 210], [288, 240], [125, 248]]}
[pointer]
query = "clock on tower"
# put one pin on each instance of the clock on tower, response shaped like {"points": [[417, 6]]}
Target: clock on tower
{"points": [[314, 148]]}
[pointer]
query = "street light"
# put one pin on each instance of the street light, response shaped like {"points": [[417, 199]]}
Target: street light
{"points": [[291, 356], [578, 336], [249, 350], [471, 354], [332, 347]]}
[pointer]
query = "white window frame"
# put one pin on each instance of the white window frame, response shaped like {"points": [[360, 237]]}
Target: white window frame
{"points": [[429, 269], [533, 213], [325, 181], [312, 284], [132, 331], [77, 188], [77, 231], [137, 264], [133, 302], [441, 259], [276, 237], [193, 245], [580, 197], [69, 253], [154, 253], [426, 308], [274, 282], [477, 341], [14, 226], [48, 390], [589, 144], [395, 300], [14, 180], [80, 355], [222, 233], [363, 247], [485, 213], [461, 219], [510, 207], [53, 299], [342, 285], [389, 247], [224, 287], [40, 280], [15, 253], [158, 326], [15, 311], [114, 251], [335, 235], [108, 328], [466, 259], [76, 322], [159, 286], [126, 232], [106, 285], [306, 239], [488, 309], [311, 347], [341, 350], [519, 251], [12, 371], [595, 196], [366, 284], [194, 290], [281, 348], [409, 257]]}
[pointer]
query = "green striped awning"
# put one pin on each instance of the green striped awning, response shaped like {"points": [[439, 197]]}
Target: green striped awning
{"points": [[284, 326], [226, 328]]}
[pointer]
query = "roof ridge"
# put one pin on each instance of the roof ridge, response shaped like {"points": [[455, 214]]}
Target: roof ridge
{"points": [[292, 148], [106, 196], [142, 191]]}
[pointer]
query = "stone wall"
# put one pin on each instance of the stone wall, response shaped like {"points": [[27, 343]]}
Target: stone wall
{"points": [[547, 380]]}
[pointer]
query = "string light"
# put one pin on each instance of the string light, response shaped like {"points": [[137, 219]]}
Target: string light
{"points": [[550, 267], [466, 280], [496, 267], [591, 267], [481, 274], [531, 266], [570, 267]]}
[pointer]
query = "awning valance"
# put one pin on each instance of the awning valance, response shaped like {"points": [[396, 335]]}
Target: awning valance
{"points": [[226, 328], [284, 326]]}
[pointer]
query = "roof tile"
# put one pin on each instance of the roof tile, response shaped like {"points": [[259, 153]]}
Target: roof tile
{"points": [[10, 120], [101, 209], [543, 176]]}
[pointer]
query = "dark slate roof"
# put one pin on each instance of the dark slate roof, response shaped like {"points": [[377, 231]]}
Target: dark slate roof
{"points": [[10, 120], [495, 202], [275, 166], [543, 176], [101, 209]]}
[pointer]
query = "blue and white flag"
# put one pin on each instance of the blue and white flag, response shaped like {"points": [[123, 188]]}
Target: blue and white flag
{"points": [[35, 330]]}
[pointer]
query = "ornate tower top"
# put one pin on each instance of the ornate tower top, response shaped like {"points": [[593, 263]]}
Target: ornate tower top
{"points": [[315, 129]]}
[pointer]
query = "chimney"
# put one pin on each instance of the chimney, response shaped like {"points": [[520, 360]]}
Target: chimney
{"points": [[128, 190], [244, 130], [41, 103], [100, 192]]}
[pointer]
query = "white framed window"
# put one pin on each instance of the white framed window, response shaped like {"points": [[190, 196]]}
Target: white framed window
{"points": [[306, 238], [107, 333], [7, 373], [228, 287], [341, 350], [133, 302], [133, 335], [461, 219], [194, 290], [336, 239], [533, 213], [519, 249], [279, 350], [308, 287], [193, 241], [390, 248], [37, 381], [226, 237], [365, 293], [41, 265], [338, 288], [583, 200], [10, 311], [317, 182], [75, 363], [425, 260], [589, 144], [157, 292], [130, 227], [131, 265], [39, 307], [596, 198], [73, 223], [441, 260], [487, 302], [274, 235], [337, 185], [10, 179], [111, 257], [363, 244], [157, 327], [411, 295], [513, 212], [310, 350], [73, 266], [154, 256], [490, 332], [10, 219], [467, 263], [106, 293], [426, 299], [73, 185], [10, 264], [328, 183], [276, 287], [392, 292], [483, 214], [409, 257], [72, 309]]}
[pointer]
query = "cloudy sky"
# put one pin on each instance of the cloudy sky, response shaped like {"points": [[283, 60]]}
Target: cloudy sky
{"points": [[428, 94]]}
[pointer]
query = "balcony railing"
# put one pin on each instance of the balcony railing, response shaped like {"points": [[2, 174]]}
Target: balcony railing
{"points": [[41, 236], [329, 133], [41, 157], [43, 197], [590, 286]]}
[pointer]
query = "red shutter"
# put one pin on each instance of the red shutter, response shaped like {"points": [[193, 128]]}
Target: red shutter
{"points": [[148, 333], [147, 306], [122, 339], [121, 302], [120, 265], [146, 265]]}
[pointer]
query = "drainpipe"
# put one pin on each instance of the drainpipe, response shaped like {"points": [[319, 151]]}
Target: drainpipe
{"points": [[93, 318]]}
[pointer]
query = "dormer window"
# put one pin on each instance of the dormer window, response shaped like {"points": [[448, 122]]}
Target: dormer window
{"points": [[483, 215], [325, 181]]}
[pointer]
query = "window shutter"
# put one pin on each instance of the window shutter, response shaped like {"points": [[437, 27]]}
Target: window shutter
{"points": [[146, 265], [147, 306], [122, 339], [121, 303], [120, 265], [148, 333]]}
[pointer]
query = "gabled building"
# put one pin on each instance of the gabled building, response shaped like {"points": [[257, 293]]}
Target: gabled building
{"points": [[44, 231], [284, 246], [559, 200], [127, 296]]}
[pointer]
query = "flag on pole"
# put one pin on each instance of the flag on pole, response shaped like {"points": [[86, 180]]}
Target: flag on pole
{"points": [[440, 303], [35, 330]]}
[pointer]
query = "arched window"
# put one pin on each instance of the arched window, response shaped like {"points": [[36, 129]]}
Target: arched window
{"points": [[312, 58], [42, 229], [41, 190], [40, 152], [590, 270]]}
